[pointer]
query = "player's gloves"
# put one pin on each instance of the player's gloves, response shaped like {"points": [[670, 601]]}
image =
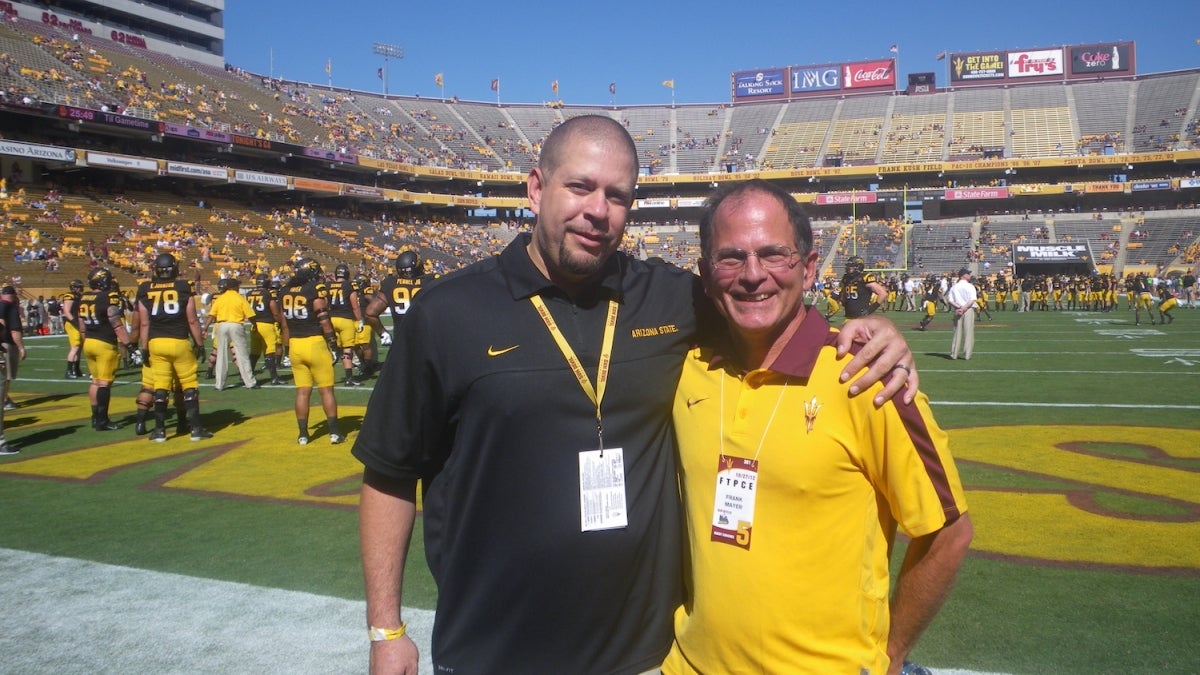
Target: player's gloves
{"points": [[333, 348], [358, 327], [198, 351], [143, 357]]}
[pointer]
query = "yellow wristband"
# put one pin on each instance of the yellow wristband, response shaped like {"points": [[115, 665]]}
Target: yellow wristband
{"points": [[382, 634]]}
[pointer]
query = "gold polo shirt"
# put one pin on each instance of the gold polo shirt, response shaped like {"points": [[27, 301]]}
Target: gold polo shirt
{"points": [[231, 307], [803, 585]]}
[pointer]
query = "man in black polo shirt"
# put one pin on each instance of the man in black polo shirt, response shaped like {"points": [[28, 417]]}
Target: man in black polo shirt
{"points": [[14, 343], [531, 395]]}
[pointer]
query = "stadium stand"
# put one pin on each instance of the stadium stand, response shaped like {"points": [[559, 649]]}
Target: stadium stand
{"points": [[698, 135], [858, 125], [978, 123], [1103, 112], [1041, 121], [917, 129], [84, 216], [1164, 107], [797, 141]]}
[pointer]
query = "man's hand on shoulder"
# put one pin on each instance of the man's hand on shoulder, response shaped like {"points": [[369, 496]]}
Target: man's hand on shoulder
{"points": [[884, 353]]}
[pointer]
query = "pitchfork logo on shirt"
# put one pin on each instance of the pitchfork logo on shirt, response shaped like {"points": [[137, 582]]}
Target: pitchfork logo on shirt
{"points": [[811, 409]]}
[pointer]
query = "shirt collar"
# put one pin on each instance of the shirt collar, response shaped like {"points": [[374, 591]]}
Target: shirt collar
{"points": [[525, 280], [799, 355]]}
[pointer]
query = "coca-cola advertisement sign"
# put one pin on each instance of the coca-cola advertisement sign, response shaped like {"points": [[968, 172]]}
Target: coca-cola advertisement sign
{"points": [[1100, 59], [869, 75]]}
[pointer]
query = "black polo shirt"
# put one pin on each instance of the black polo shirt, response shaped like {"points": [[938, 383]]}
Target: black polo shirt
{"points": [[478, 402]]}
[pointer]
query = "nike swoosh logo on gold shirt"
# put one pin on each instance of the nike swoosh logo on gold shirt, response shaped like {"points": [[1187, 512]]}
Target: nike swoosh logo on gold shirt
{"points": [[693, 401], [492, 351]]}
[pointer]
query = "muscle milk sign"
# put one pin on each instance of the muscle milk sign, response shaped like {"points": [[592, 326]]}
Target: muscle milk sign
{"points": [[1052, 259]]}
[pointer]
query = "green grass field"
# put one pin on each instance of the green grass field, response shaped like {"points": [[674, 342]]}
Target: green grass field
{"points": [[1077, 436]]}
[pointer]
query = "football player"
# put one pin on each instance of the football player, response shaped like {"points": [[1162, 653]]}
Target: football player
{"points": [[861, 293], [1167, 302], [166, 307], [311, 344], [264, 339], [99, 317], [70, 305], [365, 344], [345, 314], [933, 292], [397, 291], [1142, 299]]}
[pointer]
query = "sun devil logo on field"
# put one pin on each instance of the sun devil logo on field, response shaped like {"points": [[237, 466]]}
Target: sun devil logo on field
{"points": [[1071, 495], [1084, 495]]}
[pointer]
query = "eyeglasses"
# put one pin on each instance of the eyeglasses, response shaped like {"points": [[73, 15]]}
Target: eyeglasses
{"points": [[770, 257]]}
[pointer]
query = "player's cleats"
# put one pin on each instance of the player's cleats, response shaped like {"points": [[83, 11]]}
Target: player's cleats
{"points": [[158, 435], [200, 434], [910, 668]]}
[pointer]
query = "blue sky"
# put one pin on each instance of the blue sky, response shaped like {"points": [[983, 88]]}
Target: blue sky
{"points": [[637, 45]]}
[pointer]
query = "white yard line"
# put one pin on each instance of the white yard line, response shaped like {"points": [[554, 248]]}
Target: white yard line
{"points": [[64, 615]]}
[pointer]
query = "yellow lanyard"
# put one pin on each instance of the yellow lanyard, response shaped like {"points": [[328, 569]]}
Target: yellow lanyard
{"points": [[596, 394]]}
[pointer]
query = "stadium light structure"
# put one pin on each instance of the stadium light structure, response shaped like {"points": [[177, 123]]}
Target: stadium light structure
{"points": [[387, 52]]}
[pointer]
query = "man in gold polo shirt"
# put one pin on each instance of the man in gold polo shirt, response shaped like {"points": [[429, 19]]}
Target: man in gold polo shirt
{"points": [[792, 488], [231, 312]]}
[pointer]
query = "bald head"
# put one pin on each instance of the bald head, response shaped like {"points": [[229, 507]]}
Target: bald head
{"points": [[590, 127]]}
